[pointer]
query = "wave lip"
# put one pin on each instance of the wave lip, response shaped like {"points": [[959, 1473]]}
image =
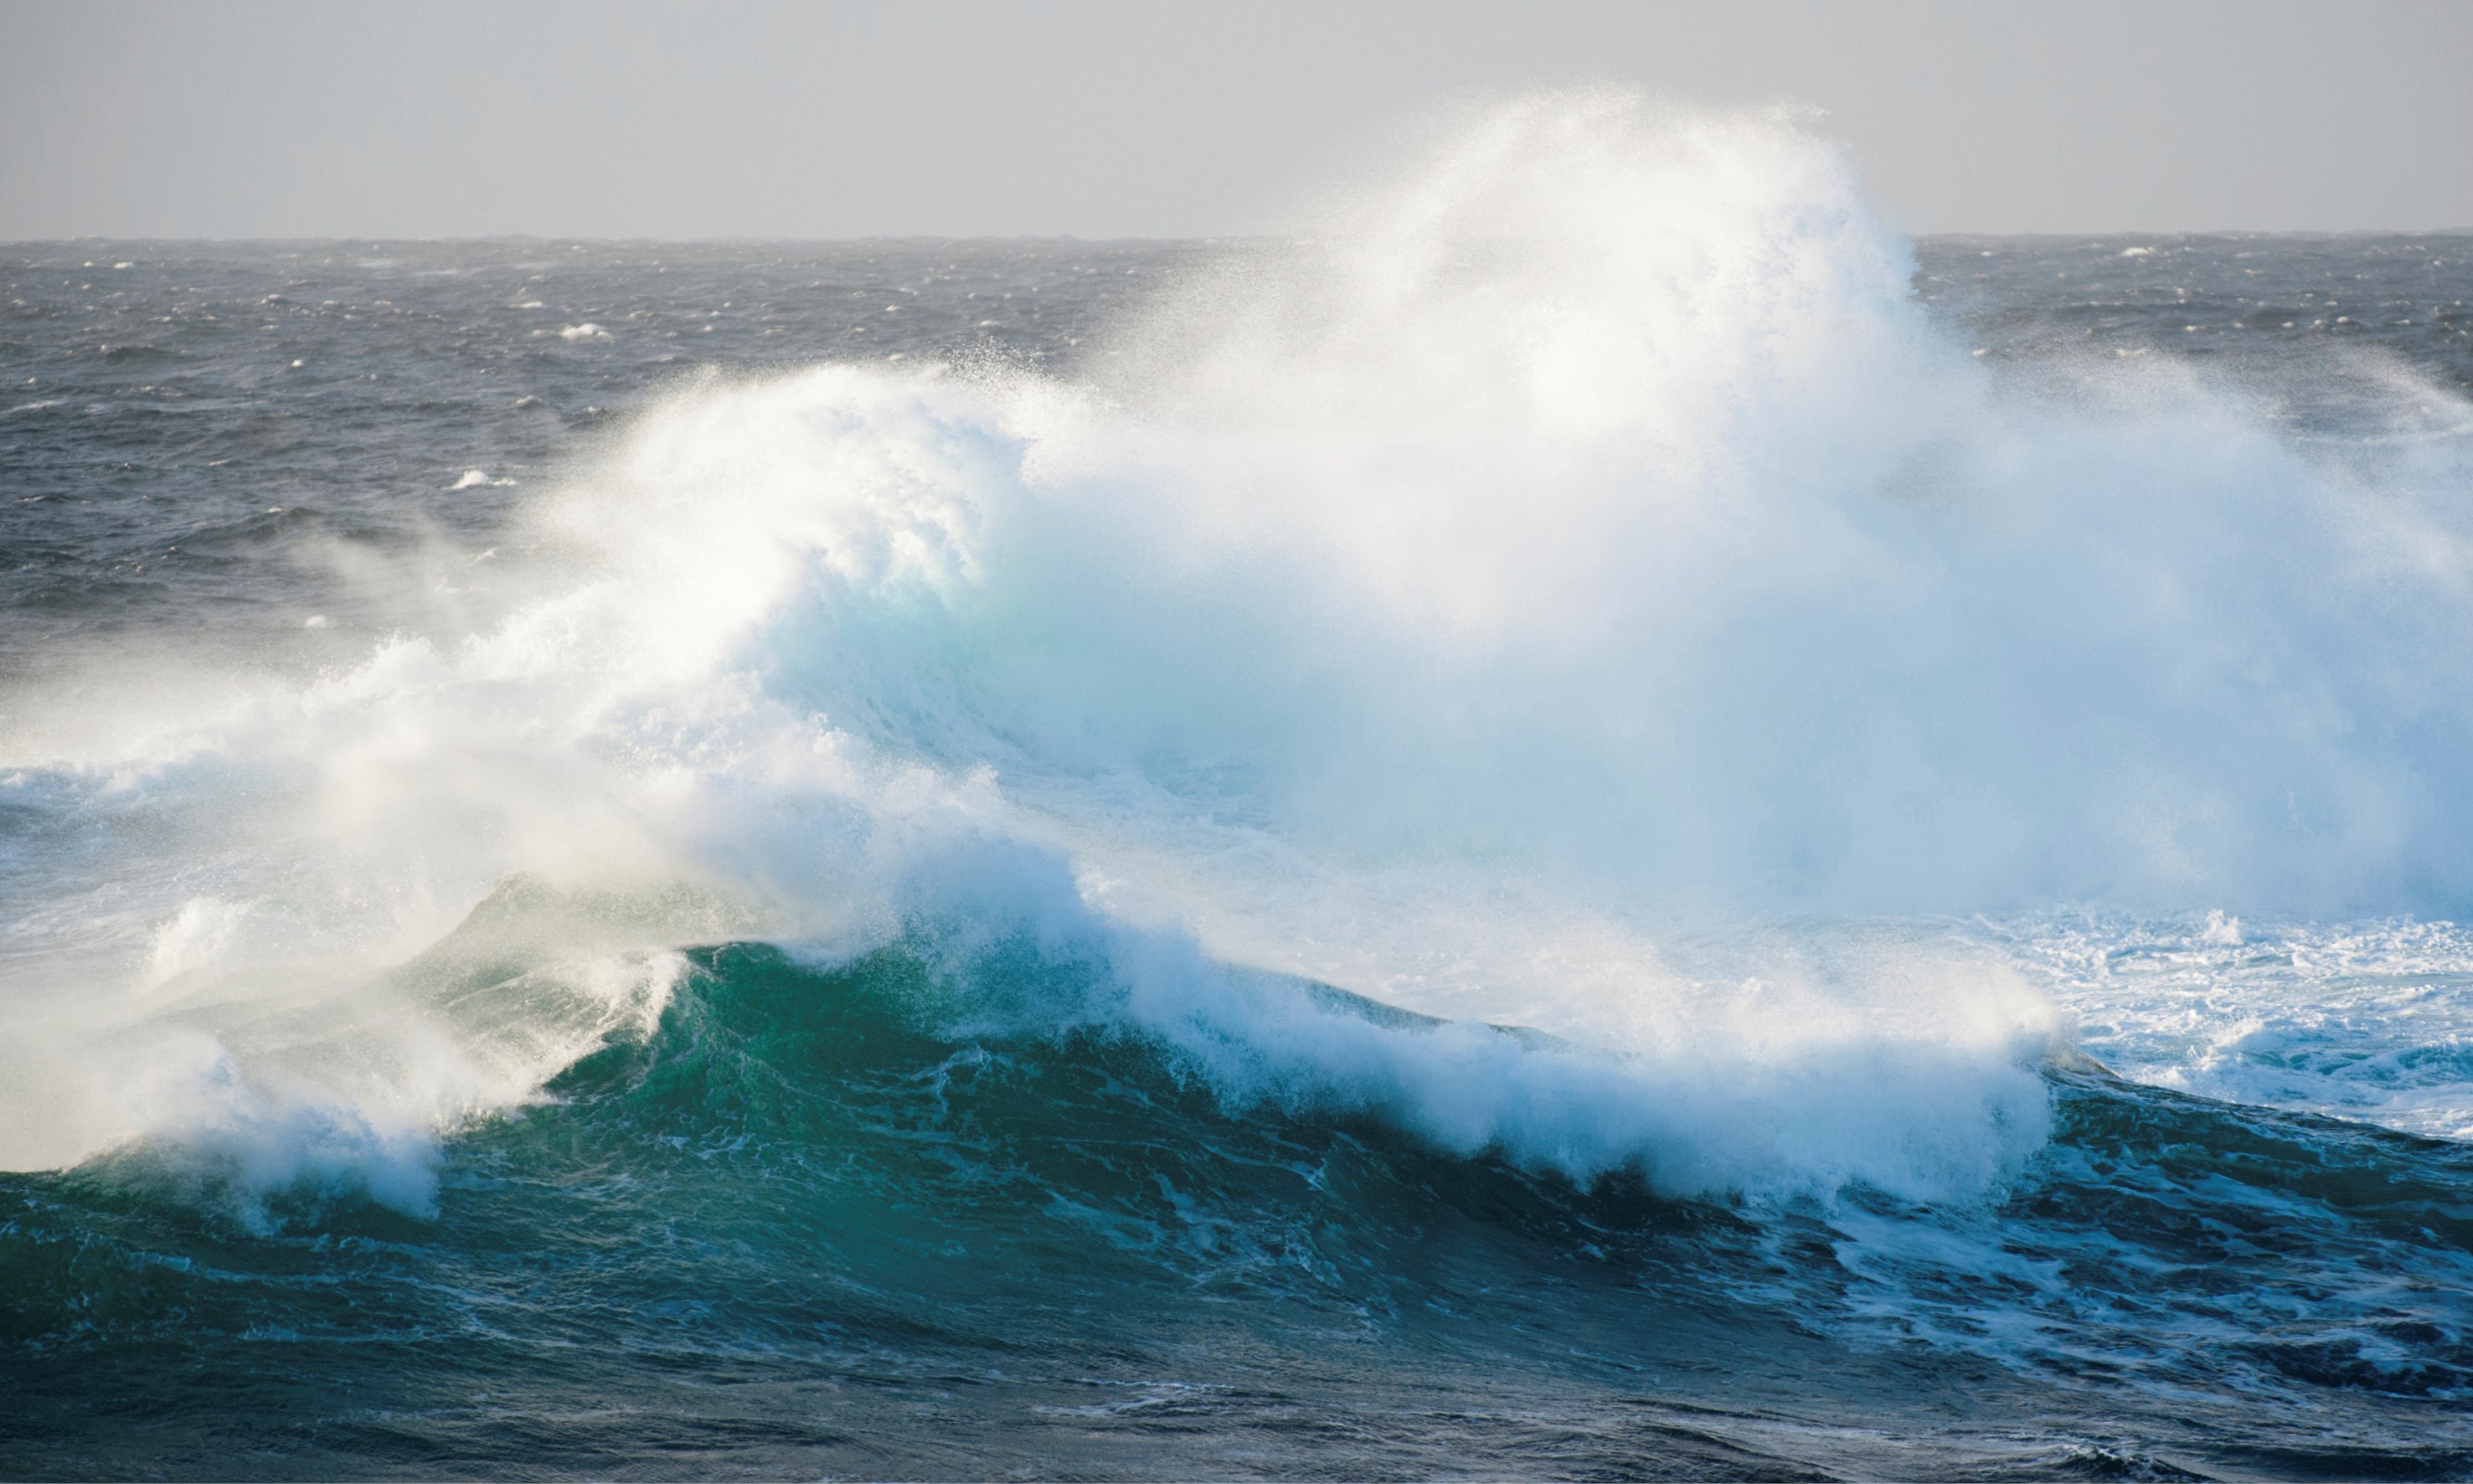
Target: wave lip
{"points": [[1806, 1098]]}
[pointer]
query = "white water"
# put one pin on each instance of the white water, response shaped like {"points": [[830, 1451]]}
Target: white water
{"points": [[2369, 1020], [1582, 548]]}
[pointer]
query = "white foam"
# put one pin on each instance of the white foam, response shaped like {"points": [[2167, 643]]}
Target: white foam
{"points": [[1796, 1087], [1584, 536], [2369, 1020]]}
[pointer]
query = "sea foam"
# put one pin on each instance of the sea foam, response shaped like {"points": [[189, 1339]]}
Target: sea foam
{"points": [[1566, 556]]}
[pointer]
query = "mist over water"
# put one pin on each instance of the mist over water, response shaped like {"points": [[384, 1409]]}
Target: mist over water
{"points": [[1590, 683]]}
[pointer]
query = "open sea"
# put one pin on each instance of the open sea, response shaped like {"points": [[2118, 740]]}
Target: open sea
{"points": [[1596, 821]]}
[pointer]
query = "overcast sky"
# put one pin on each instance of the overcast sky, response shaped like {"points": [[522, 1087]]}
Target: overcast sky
{"points": [[1173, 119]]}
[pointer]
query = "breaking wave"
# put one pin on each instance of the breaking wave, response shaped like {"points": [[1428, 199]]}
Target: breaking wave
{"points": [[1481, 664]]}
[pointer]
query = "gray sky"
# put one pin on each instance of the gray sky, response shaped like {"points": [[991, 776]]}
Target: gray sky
{"points": [[1105, 119]]}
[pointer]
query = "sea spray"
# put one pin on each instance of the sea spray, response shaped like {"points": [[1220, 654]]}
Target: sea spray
{"points": [[1584, 541]]}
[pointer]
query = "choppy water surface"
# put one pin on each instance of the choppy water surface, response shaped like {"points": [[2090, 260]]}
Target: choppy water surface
{"points": [[1601, 822]]}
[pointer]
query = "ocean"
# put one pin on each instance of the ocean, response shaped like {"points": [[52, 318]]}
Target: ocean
{"points": [[1591, 819]]}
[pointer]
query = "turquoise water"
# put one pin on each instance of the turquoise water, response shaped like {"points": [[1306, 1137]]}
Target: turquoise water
{"points": [[804, 1226]]}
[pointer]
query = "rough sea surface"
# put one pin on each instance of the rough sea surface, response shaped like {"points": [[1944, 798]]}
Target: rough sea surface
{"points": [[1599, 823]]}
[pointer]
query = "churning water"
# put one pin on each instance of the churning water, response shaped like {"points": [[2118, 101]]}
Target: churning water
{"points": [[1598, 820]]}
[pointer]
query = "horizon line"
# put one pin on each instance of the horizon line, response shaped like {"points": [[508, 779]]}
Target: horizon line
{"points": [[1205, 240]]}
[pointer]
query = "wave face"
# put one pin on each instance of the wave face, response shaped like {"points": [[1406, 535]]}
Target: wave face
{"points": [[1485, 838], [834, 1219]]}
